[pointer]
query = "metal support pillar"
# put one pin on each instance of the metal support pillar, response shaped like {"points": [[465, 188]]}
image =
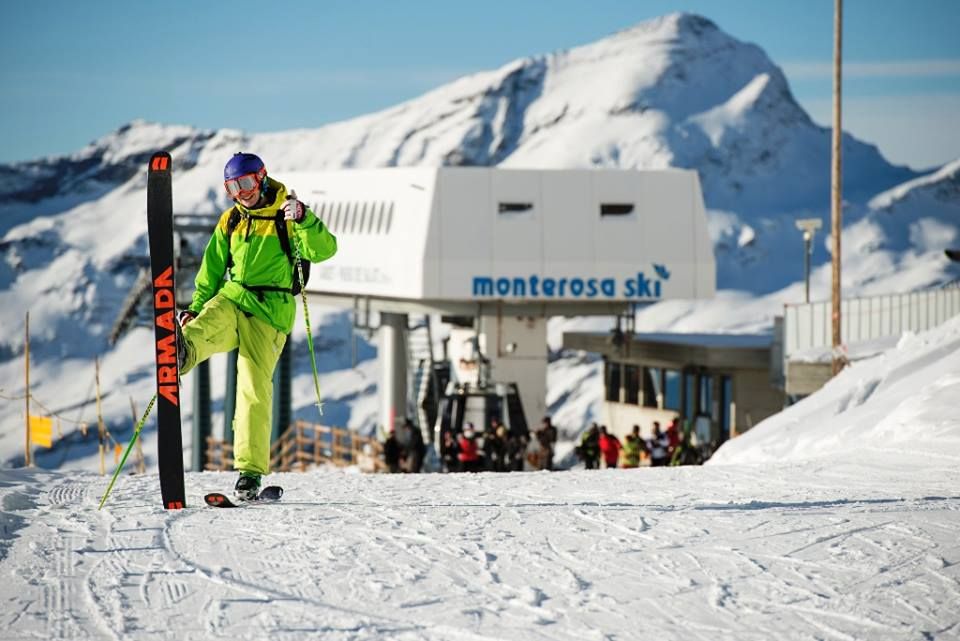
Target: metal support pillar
{"points": [[202, 425], [230, 396], [393, 363], [517, 352]]}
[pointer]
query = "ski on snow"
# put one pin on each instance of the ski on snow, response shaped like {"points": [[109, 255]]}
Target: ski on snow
{"points": [[269, 494], [160, 231]]}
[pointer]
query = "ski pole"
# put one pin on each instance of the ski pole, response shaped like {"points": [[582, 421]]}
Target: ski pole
{"points": [[136, 435], [306, 315]]}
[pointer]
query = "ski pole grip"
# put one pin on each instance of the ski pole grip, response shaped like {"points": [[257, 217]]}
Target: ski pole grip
{"points": [[292, 195]]}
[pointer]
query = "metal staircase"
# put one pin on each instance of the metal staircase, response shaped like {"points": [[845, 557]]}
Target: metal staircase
{"points": [[128, 311], [186, 227], [427, 376]]}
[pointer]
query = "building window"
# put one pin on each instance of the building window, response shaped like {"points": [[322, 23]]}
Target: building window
{"points": [[356, 217], [357, 224], [727, 407], [616, 209], [612, 382], [652, 386], [671, 390], [361, 217], [631, 384], [351, 219], [514, 208], [706, 395], [389, 218], [381, 215], [337, 213], [689, 395]]}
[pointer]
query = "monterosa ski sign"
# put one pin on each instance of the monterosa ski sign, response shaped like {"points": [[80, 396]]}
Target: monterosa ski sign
{"points": [[534, 286]]}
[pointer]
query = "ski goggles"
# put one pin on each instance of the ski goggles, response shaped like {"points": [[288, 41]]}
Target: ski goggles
{"points": [[244, 185]]}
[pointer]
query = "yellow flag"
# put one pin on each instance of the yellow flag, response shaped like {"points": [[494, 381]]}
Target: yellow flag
{"points": [[41, 431]]}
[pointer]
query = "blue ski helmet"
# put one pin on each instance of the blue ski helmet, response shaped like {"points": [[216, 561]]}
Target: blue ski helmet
{"points": [[242, 164]]}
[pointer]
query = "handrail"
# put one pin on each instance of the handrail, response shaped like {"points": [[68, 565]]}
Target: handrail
{"points": [[303, 446], [807, 325]]}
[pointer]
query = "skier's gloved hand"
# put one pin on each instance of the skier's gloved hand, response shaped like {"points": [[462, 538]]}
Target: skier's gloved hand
{"points": [[293, 209], [185, 317]]}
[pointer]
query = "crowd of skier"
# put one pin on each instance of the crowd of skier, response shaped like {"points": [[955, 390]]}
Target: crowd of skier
{"points": [[497, 449], [663, 447]]}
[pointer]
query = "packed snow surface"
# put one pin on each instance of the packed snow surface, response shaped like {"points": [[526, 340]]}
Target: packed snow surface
{"points": [[836, 519], [831, 550]]}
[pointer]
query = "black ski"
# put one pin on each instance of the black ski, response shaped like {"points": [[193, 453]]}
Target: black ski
{"points": [[269, 494], [160, 230]]}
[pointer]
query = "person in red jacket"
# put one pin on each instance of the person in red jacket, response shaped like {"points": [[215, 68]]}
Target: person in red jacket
{"points": [[469, 453], [609, 447], [673, 436]]}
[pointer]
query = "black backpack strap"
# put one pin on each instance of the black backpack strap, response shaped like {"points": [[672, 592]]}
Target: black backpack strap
{"points": [[260, 290], [232, 223], [283, 236]]}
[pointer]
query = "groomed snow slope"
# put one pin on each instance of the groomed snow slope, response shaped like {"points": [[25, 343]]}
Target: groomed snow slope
{"points": [[843, 525]]}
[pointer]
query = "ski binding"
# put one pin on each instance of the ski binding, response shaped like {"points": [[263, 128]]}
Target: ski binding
{"points": [[269, 494]]}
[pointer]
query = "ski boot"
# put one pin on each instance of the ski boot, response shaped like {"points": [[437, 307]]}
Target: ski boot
{"points": [[247, 487]]}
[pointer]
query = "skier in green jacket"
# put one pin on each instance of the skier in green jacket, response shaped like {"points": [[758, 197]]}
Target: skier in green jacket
{"points": [[255, 309]]}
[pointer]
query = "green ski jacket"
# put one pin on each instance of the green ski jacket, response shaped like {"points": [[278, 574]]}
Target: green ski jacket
{"points": [[258, 259]]}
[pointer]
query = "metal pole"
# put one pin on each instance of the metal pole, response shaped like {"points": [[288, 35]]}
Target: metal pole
{"points": [[836, 187], [201, 416], [27, 459], [282, 393], [101, 427], [806, 264], [392, 352], [230, 397], [141, 464]]}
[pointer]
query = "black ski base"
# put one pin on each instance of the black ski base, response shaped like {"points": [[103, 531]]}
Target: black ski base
{"points": [[269, 494]]}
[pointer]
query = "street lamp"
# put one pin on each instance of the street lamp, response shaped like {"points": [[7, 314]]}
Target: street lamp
{"points": [[809, 227]]}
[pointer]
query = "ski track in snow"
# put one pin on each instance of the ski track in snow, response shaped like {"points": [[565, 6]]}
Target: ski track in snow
{"points": [[808, 552]]}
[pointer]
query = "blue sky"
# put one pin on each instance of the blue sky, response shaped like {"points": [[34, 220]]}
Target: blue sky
{"points": [[74, 71]]}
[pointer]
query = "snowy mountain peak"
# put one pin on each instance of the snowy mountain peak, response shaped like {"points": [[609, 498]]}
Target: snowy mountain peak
{"points": [[104, 163], [942, 185], [676, 91], [137, 138], [919, 217], [678, 65], [677, 25], [734, 113]]}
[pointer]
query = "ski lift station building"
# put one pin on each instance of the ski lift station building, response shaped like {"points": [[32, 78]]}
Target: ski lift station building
{"points": [[496, 253]]}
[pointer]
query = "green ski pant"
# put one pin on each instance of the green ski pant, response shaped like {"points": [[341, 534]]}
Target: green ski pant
{"points": [[223, 327]]}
